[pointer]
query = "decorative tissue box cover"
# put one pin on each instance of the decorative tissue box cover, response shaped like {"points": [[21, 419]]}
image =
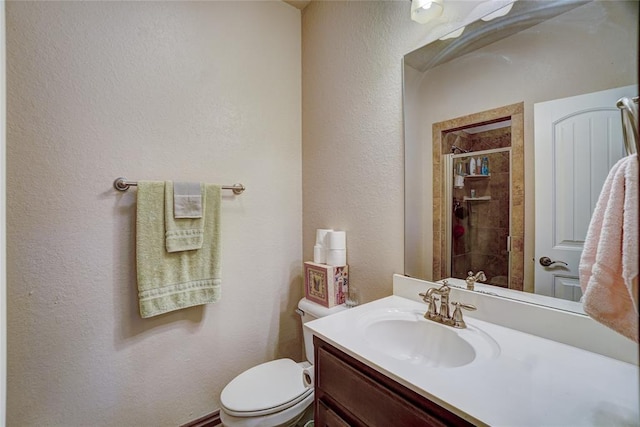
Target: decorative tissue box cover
{"points": [[324, 284]]}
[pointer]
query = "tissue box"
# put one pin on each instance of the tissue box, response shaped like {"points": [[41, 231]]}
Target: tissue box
{"points": [[326, 285]]}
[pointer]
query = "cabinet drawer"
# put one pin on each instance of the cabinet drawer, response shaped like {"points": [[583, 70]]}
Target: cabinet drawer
{"points": [[366, 399], [327, 418]]}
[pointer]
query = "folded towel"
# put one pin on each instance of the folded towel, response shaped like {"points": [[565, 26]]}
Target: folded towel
{"points": [[183, 234], [609, 262], [171, 281], [187, 200]]}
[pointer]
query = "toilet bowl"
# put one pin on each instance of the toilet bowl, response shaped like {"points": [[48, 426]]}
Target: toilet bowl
{"points": [[270, 394], [273, 394]]}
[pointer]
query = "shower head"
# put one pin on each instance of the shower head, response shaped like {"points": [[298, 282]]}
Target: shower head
{"points": [[455, 148]]}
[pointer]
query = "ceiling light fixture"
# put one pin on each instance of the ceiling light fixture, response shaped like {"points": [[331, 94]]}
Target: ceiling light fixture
{"points": [[423, 11]]}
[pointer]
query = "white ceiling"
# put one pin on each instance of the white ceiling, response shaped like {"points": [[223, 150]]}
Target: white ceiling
{"points": [[299, 4]]}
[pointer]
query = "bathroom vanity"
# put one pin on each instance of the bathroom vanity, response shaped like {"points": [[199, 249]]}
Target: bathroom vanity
{"points": [[350, 393], [382, 364]]}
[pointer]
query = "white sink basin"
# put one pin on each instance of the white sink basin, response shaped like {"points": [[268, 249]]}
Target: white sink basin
{"points": [[407, 336]]}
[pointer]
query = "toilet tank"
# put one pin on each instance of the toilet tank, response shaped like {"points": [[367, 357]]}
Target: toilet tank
{"points": [[308, 311]]}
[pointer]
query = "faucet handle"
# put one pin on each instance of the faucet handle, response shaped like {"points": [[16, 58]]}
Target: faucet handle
{"points": [[457, 318], [428, 298], [476, 277], [432, 311], [470, 280], [425, 297], [464, 305]]}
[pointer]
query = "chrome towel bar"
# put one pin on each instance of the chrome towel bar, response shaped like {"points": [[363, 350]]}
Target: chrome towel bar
{"points": [[121, 184]]}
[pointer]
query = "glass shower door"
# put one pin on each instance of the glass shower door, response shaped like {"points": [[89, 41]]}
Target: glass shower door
{"points": [[480, 215]]}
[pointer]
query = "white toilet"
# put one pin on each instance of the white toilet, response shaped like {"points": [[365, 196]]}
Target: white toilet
{"points": [[273, 394]]}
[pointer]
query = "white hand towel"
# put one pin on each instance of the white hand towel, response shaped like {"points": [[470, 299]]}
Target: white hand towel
{"points": [[609, 262], [187, 200]]}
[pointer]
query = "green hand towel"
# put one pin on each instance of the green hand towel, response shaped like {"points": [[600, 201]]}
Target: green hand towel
{"points": [[181, 234], [171, 281]]}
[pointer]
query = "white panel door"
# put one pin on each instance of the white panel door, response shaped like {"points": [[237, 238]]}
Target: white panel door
{"points": [[577, 141]]}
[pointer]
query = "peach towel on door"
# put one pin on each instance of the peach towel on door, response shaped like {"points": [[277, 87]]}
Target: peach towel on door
{"points": [[609, 262]]}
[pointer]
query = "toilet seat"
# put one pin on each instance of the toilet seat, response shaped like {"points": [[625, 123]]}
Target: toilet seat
{"points": [[265, 389]]}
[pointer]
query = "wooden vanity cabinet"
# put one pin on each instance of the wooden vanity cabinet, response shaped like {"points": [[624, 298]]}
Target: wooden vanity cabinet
{"points": [[350, 393]]}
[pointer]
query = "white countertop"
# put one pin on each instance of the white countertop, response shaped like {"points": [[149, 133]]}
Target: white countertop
{"points": [[531, 381]]}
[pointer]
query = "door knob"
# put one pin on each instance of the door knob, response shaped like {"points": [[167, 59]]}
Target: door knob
{"points": [[545, 261]]}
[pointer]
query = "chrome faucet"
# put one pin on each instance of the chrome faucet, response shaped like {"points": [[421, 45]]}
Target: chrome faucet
{"points": [[472, 279], [442, 316]]}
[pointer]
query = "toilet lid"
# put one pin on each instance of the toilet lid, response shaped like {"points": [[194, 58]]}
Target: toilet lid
{"points": [[265, 389]]}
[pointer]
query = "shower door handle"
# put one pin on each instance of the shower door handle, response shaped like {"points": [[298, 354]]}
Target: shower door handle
{"points": [[545, 261]]}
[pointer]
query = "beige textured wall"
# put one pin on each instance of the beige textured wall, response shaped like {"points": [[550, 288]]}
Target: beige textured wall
{"points": [[205, 91], [353, 170]]}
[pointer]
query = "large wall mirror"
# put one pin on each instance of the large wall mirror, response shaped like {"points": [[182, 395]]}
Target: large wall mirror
{"points": [[510, 130]]}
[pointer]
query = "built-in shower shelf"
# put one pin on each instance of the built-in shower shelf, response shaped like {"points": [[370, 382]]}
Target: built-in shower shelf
{"points": [[476, 176], [476, 199]]}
